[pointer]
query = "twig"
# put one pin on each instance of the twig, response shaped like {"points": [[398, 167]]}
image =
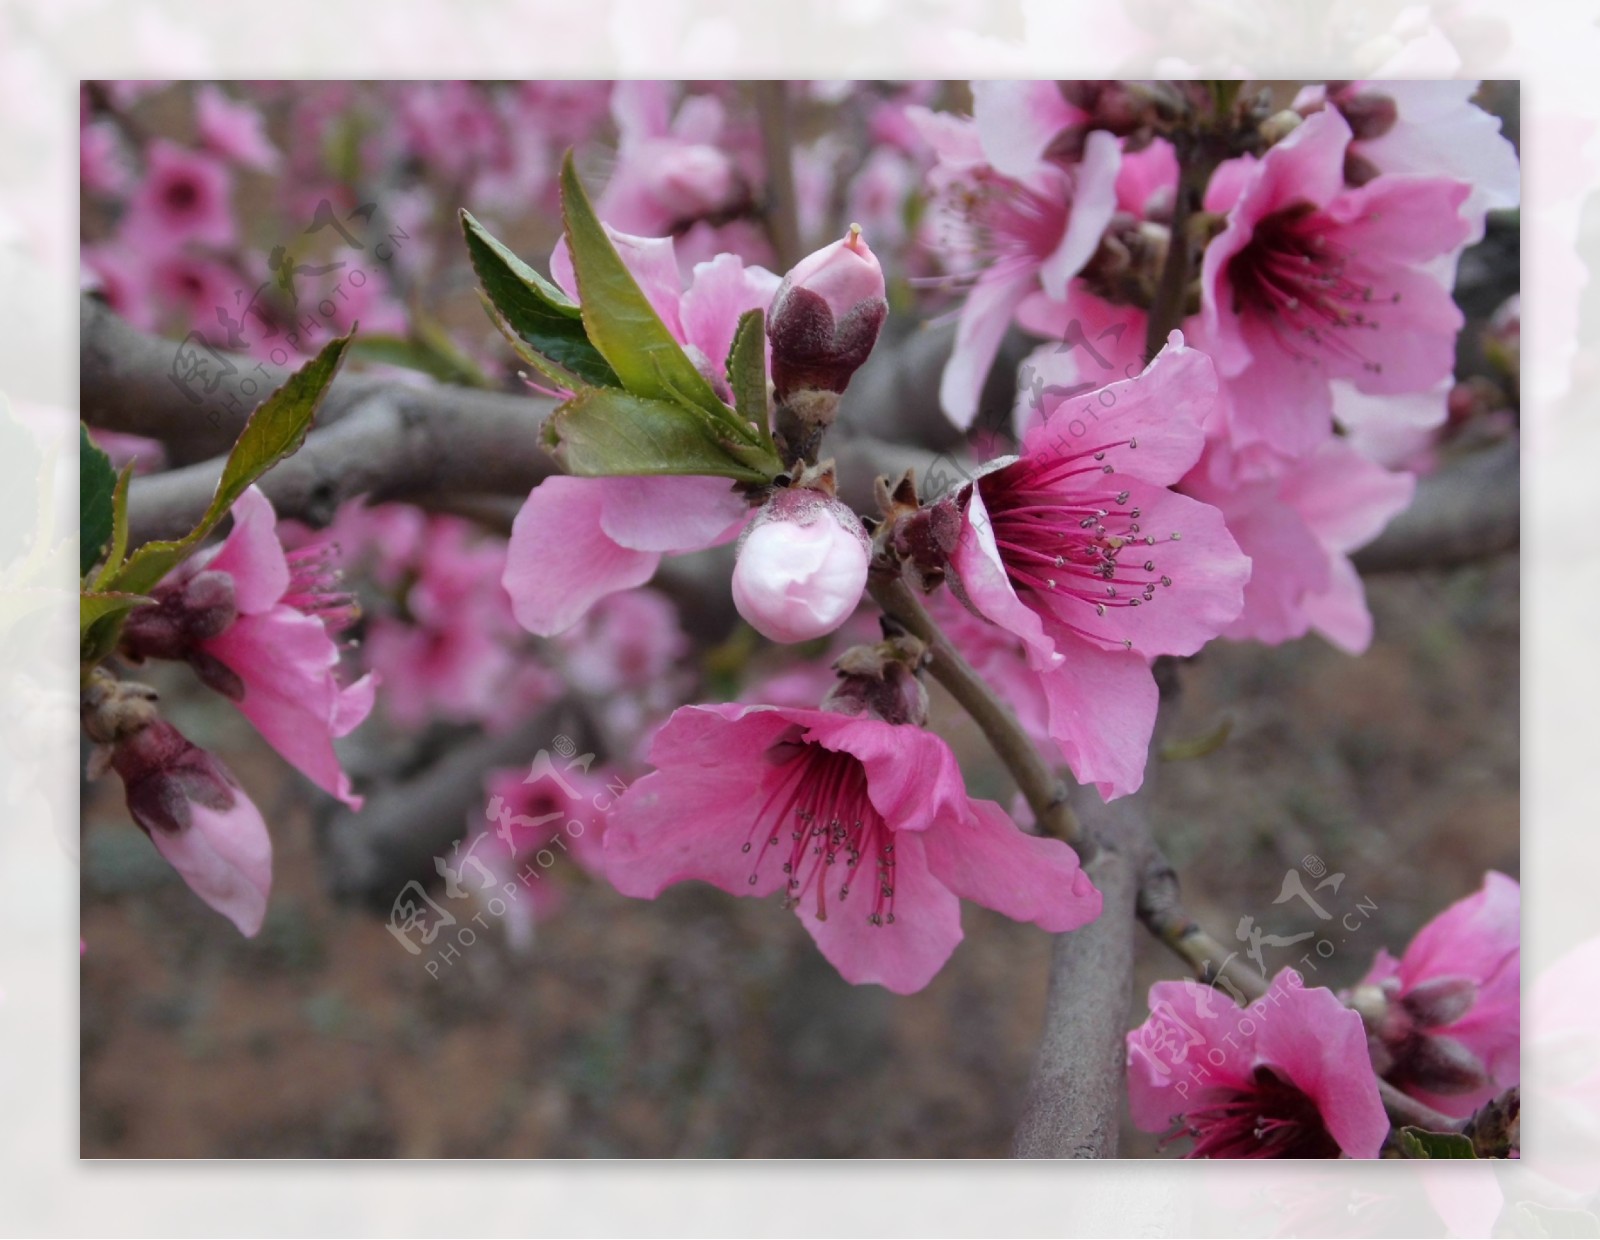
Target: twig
{"points": [[1171, 293], [777, 141], [1045, 793]]}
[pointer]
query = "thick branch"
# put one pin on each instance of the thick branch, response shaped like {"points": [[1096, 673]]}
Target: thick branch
{"points": [[777, 142], [1074, 1101], [1468, 511], [398, 443]]}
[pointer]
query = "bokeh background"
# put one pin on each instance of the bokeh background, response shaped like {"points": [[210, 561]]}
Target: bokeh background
{"points": [[695, 1025]]}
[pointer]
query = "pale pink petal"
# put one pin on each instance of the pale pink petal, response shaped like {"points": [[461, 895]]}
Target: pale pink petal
{"points": [[1403, 218], [1321, 1046], [1340, 612], [1102, 711], [1094, 202], [670, 513], [985, 316], [983, 584], [651, 261], [1345, 498], [1185, 542], [719, 292], [291, 694], [1190, 1045], [991, 862], [903, 955], [1149, 426], [1016, 121], [559, 561], [913, 779], [226, 858], [641, 109], [252, 555]]}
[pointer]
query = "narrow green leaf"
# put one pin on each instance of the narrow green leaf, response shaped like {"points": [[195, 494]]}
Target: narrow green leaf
{"points": [[275, 430], [94, 606], [535, 315], [605, 432], [97, 480], [620, 320], [1420, 1143], [119, 528], [747, 374]]}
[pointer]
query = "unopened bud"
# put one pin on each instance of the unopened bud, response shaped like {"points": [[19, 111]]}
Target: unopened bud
{"points": [[802, 566], [1369, 114], [1440, 1065], [825, 317], [199, 819], [881, 681], [1440, 1001]]}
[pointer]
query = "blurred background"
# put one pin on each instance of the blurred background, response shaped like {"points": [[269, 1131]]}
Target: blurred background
{"points": [[588, 1024]]}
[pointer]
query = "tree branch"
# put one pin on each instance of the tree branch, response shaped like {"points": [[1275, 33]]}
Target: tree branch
{"points": [[1074, 1101], [1469, 510], [777, 142]]}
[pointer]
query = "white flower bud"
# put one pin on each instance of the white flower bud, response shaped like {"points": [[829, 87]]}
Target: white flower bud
{"points": [[802, 566]]}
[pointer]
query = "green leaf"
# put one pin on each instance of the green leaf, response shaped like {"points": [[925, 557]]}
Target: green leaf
{"points": [[541, 322], [620, 320], [95, 606], [275, 430], [119, 528], [97, 480], [747, 373], [1420, 1143], [604, 432]]}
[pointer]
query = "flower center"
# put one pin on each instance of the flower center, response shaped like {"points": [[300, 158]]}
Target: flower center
{"points": [[1269, 1118], [314, 587], [1306, 288], [1068, 535], [822, 824]]}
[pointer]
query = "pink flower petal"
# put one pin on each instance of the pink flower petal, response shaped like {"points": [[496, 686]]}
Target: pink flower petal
{"points": [[991, 862], [903, 955], [719, 292], [1102, 711], [669, 513], [1016, 121], [252, 555], [559, 561], [226, 858]]}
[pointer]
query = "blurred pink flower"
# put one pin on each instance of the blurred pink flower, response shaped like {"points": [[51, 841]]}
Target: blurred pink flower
{"points": [[199, 819], [103, 166], [1079, 548], [185, 196], [671, 168], [1286, 1077], [628, 641], [234, 129], [1010, 226], [1299, 525], [1312, 281], [822, 807], [1445, 1019]]}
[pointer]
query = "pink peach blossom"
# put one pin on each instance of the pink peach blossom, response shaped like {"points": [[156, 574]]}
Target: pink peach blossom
{"points": [[1080, 549], [257, 626], [234, 129], [185, 196], [1286, 1077], [865, 827], [1445, 1019], [1311, 281], [1010, 226]]}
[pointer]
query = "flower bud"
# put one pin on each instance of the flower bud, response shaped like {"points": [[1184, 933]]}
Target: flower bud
{"points": [[199, 819], [825, 317], [802, 566]]}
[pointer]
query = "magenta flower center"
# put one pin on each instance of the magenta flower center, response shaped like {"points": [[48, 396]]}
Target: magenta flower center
{"points": [[1295, 278], [1268, 1118], [181, 196], [1069, 535], [315, 589], [820, 825]]}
